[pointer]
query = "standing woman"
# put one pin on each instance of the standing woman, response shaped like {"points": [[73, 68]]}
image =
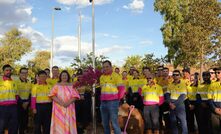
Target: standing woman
{"points": [[63, 112]]}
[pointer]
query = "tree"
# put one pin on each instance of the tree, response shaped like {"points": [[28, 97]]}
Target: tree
{"points": [[149, 61], [13, 46], [133, 61], [40, 61], [87, 61], [191, 31]]}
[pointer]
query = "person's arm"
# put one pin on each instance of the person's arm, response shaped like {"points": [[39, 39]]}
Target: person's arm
{"points": [[180, 99], [57, 100], [72, 100]]}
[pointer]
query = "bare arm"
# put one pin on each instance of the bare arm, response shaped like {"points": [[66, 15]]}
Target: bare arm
{"points": [[57, 100]]}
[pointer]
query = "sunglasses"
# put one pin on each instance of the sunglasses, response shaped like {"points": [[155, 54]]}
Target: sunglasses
{"points": [[176, 74], [149, 78]]}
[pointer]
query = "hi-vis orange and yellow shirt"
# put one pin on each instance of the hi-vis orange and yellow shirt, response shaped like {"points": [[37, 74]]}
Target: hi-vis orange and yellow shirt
{"points": [[164, 82], [8, 92], [152, 95], [135, 84], [175, 90], [112, 87], [39, 94], [51, 81], [202, 90], [191, 93], [24, 90], [214, 91]]}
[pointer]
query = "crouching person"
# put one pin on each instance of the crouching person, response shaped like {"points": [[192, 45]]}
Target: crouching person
{"points": [[41, 104], [152, 97]]}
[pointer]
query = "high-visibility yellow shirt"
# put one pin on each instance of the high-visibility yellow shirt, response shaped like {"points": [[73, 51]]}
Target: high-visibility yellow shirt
{"points": [[41, 92], [164, 83], [125, 82], [135, 84], [187, 81], [51, 81], [214, 92], [109, 86], [152, 94], [129, 77], [176, 90], [202, 90], [8, 92], [191, 93], [24, 89]]}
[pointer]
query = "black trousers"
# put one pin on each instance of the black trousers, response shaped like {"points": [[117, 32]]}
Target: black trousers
{"points": [[203, 118], [22, 119], [9, 119], [42, 119], [216, 123]]}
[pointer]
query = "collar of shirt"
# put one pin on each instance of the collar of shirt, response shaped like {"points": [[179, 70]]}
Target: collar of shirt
{"points": [[108, 72], [6, 78]]}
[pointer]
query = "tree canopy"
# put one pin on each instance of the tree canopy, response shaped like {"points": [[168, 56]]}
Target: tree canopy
{"points": [[13, 46], [191, 31]]}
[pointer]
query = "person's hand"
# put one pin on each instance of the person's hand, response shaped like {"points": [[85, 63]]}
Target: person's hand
{"points": [[25, 105], [61, 103], [191, 107], [34, 111], [218, 111], [172, 106]]}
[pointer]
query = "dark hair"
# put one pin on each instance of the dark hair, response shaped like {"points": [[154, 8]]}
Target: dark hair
{"points": [[55, 67], [117, 68], [41, 72], [160, 68], [47, 69], [23, 68], [219, 68], [64, 71], [136, 71], [6, 66], [124, 71], [177, 71], [186, 70], [148, 68], [107, 61], [166, 68]]}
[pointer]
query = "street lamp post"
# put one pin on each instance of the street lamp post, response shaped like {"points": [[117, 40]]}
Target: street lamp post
{"points": [[52, 38], [93, 63]]}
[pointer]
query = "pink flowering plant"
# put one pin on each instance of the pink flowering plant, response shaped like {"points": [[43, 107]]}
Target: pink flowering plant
{"points": [[88, 78]]}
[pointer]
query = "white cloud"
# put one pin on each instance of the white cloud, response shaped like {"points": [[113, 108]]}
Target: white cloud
{"points": [[34, 20], [13, 13], [83, 3], [146, 42], [136, 6], [112, 49], [109, 36]]}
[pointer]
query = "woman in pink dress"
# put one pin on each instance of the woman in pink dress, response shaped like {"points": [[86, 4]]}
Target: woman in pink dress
{"points": [[63, 119]]}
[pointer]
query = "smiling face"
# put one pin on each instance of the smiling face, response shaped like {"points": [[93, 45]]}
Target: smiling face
{"points": [[7, 71], [64, 77], [107, 67], [23, 74]]}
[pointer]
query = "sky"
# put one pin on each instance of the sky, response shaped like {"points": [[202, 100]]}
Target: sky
{"points": [[122, 27]]}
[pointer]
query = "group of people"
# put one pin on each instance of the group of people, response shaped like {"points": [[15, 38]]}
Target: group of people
{"points": [[170, 103], [50, 99], [176, 103]]}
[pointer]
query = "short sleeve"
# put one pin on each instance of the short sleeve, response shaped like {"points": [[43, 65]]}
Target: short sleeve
{"points": [[53, 91], [75, 94], [33, 91]]}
